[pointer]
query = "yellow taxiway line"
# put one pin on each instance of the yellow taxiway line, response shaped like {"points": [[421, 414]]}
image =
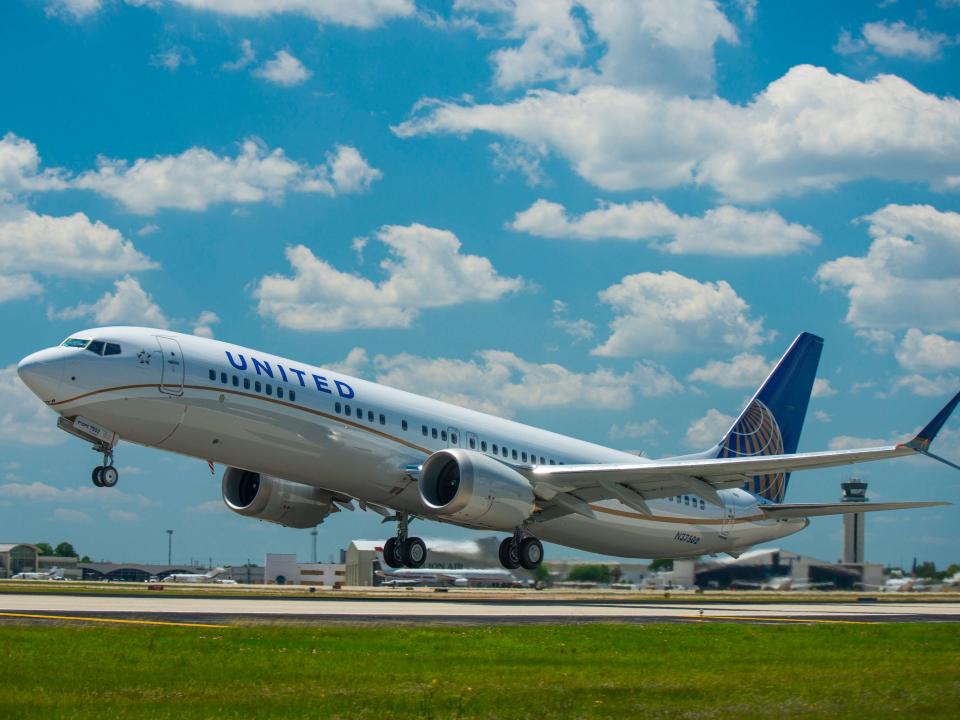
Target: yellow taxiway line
{"points": [[36, 616]]}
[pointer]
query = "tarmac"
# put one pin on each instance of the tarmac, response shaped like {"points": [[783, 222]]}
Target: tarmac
{"points": [[199, 610]]}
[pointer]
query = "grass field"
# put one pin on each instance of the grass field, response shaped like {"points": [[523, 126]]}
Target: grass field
{"points": [[606, 670]]}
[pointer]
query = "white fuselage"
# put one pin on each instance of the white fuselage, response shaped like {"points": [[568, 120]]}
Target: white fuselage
{"points": [[209, 399]]}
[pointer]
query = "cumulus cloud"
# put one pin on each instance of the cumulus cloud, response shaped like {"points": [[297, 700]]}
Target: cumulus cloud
{"points": [[173, 58], [128, 304], [203, 325], [940, 386], [198, 178], [247, 56], [72, 9], [20, 169], [425, 269], [822, 388], [501, 382], [746, 370], [909, 277], [283, 69], [40, 492], [668, 312], [72, 515], [809, 129], [579, 329], [18, 287], [928, 352], [24, 419], [637, 430], [647, 43], [355, 13], [724, 230], [706, 432], [894, 39]]}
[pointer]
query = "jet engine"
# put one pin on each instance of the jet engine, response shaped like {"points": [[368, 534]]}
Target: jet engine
{"points": [[275, 500], [470, 488]]}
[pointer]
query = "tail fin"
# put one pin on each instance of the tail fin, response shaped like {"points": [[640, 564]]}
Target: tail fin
{"points": [[771, 422]]}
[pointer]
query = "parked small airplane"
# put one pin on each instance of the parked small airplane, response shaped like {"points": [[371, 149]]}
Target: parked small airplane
{"points": [[208, 577], [461, 577], [52, 574], [300, 441], [782, 584]]}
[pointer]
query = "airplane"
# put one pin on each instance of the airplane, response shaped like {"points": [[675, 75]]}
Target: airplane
{"points": [[782, 584], [299, 441], [461, 577], [209, 577], [52, 574]]}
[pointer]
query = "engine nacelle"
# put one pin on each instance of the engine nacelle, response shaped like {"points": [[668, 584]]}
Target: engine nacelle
{"points": [[275, 500], [473, 489]]}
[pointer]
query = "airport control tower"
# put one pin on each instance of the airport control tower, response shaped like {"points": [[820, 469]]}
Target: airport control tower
{"points": [[854, 490]]}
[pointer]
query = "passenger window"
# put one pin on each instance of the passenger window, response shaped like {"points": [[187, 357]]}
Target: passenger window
{"points": [[495, 449], [403, 425], [443, 435], [223, 378], [213, 375], [453, 439], [246, 383], [473, 444], [257, 387], [293, 396], [703, 505], [433, 433], [686, 500], [551, 461], [503, 451], [338, 407], [424, 428], [514, 454], [359, 413], [346, 410], [269, 389], [483, 445], [523, 456], [96, 346], [370, 415], [542, 461], [112, 349], [383, 419], [279, 392], [236, 381]]}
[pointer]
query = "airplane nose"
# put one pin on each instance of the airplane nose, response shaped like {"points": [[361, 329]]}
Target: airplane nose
{"points": [[42, 373]]}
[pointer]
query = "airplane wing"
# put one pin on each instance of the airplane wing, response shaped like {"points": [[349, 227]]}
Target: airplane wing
{"points": [[797, 510], [569, 488]]}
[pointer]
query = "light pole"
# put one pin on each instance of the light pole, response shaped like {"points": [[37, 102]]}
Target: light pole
{"points": [[169, 547], [314, 556]]}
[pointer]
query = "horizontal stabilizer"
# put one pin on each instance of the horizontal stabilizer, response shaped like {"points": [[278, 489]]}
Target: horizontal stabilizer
{"points": [[800, 510]]}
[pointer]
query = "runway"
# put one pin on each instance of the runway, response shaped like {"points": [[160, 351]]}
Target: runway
{"points": [[203, 610]]}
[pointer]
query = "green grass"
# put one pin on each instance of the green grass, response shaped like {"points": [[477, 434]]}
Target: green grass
{"points": [[600, 670]]}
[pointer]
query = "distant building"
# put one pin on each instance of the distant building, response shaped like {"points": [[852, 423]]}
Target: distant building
{"points": [[281, 569], [17, 558], [322, 574]]}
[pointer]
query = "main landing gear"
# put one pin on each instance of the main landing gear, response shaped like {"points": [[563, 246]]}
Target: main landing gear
{"points": [[402, 550], [521, 550], [105, 475]]}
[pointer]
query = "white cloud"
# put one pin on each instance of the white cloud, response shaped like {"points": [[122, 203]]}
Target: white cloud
{"points": [[910, 276], [128, 304], [72, 9], [923, 353], [148, 229], [24, 419], [822, 388], [895, 39], [668, 312], [247, 56], [809, 129], [637, 430], [853, 442], [425, 270], [661, 44], [515, 157], [64, 246], [579, 329], [707, 431], [923, 386], [207, 508], [500, 382], [353, 13], [198, 178], [39, 492], [20, 169], [125, 516], [723, 230], [71, 516], [173, 58], [203, 325], [18, 287], [283, 69], [746, 370], [822, 416]]}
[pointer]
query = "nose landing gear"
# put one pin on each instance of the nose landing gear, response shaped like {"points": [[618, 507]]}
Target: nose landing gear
{"points": [[105, 475], [521, 550]]}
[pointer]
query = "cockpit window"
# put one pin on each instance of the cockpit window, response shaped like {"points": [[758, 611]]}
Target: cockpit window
{"points": [[75, 342], [111, 349], [96, 346]]}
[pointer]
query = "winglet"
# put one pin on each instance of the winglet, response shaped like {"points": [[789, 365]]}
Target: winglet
{"points": [[921, 443]]}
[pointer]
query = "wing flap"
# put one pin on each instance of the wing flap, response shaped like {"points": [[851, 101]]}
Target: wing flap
{"points": [[801, 510]]}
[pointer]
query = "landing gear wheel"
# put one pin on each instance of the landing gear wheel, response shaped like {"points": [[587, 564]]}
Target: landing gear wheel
{"points": [[414, 552], [109, 476], [531, 553], [392, 553], [509, 554], [97, 476]]}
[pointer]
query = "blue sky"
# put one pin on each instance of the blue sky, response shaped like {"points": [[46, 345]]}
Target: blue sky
{"points": [[605, 218]]}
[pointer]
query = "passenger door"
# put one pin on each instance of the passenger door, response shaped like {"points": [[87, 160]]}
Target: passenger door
{"points": [[171, 378]]}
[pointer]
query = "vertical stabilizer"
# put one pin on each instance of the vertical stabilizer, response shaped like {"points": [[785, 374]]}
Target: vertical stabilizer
{"points": [[771, 422]]}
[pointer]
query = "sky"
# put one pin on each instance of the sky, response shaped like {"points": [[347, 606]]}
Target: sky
{"points": [[603, 217]]}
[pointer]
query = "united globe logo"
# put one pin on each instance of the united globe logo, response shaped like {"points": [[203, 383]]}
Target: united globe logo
{"points": [[757, 433]]}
